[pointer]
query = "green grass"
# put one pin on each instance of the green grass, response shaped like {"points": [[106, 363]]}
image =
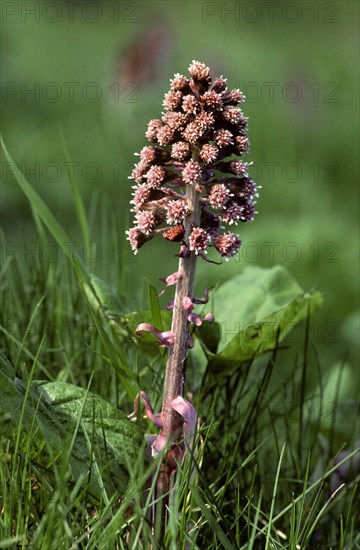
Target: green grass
{"points": [[264, 475]]}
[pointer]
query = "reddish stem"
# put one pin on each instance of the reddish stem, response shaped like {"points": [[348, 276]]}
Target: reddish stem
{"points": [[176, 364]]}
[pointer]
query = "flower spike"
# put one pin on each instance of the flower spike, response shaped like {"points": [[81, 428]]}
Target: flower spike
{"points": [[202, 127]]}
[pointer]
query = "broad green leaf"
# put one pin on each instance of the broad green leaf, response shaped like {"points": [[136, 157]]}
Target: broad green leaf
{"points": [[209, 334], [53, 411], [255, 310]]}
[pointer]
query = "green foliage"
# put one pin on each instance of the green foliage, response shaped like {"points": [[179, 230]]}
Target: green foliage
{"points": [[258, 308], [55, 422], [61, 444], [43, 212], [156, 317], [103, 298]]}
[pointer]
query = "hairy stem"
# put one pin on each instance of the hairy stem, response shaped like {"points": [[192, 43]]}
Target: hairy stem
{"points": [[176, 365], [172, 422]]}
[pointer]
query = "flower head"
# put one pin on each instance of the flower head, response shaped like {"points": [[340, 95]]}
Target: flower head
{"points": [[155, 176], [180, 150], [190, 104], [153, 127], [191, 172], [233, 213], [176, 211], [179, 82], [146, 221], [197, 142], [199, 71], [227, 244], [218, 195], [199, 240], [208, 153], [172, 100], [136, 238]]}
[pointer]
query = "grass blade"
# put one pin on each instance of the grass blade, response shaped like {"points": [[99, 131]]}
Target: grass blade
{"points": [[276, 482], [154, 305], [78, 202], [45, 214], [211, 520]]}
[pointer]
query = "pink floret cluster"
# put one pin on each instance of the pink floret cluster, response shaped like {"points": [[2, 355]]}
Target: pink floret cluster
{"points": [[198, 141]]}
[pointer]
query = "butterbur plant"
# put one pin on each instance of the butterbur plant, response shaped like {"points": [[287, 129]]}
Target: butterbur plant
{"points": [[69, 445], [189, 185]]}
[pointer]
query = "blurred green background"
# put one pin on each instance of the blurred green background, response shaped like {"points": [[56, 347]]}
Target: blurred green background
{"points": [[91, 74]]}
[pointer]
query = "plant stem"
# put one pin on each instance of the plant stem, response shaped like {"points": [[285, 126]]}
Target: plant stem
{"points": [[176, 364], [172, 422]]}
